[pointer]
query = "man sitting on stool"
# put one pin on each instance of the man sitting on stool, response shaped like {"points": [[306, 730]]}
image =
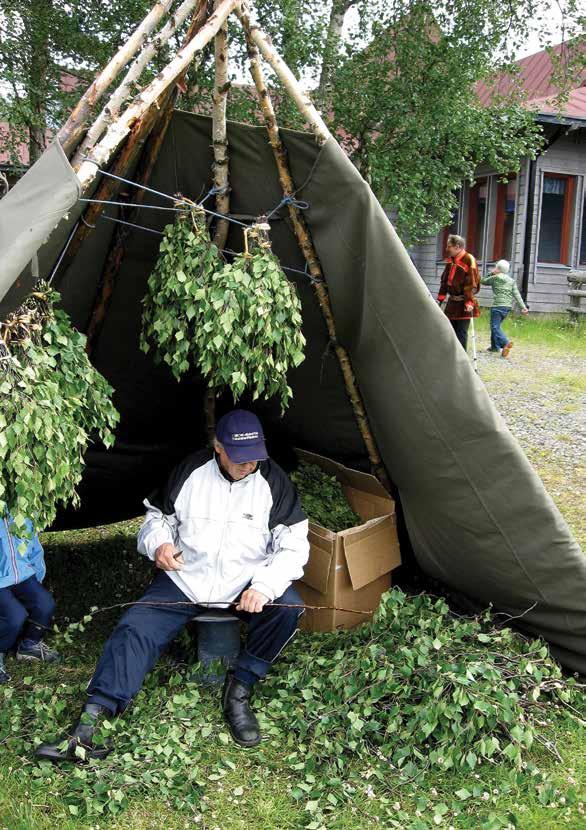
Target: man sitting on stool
{"points": [[228, 525]]}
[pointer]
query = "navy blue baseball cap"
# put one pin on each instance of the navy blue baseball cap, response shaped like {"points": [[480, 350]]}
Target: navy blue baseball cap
{"points": [[240, 433]]}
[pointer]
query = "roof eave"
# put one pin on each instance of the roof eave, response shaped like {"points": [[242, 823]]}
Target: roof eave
{"points": [[564, 120]]}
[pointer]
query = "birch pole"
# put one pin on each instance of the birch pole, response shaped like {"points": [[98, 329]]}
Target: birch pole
{"points": [[219, 131], [151, 126], [120, 128], [162, 114], [305, 243], [71, 132], [112, 109], [287, 78], [221, 173]]}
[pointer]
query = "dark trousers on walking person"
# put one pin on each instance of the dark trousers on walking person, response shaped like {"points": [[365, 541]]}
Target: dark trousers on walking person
{"points": [[26, 612], [498, 339], [146, 630], [461, 330]]}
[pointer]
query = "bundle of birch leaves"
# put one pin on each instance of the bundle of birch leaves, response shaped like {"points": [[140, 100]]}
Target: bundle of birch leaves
{"points": [[52, 404], [239, 323]]}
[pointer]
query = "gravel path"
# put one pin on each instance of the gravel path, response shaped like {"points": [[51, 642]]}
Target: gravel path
{"points": [[541, 394]]}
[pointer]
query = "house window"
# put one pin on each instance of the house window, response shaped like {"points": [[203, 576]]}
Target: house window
{"points": [[556, 215], [505, 219], [477, 217], [448, 229], [583, 242]]}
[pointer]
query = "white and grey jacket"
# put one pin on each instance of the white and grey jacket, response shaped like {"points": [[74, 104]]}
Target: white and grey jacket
{"points": [[232, 534]]}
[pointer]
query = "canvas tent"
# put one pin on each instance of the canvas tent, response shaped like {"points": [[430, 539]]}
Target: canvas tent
{"points": [[477, 515]]}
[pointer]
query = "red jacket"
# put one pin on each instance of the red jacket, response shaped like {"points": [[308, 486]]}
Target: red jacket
{"points": [[460, 282]]}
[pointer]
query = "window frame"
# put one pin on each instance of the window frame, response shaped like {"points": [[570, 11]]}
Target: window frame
{"points": [[499, 218], [472, 219], [565, 254]]}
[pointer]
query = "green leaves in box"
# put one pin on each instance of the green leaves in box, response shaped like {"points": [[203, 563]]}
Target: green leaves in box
{"points": [[323, 499]]}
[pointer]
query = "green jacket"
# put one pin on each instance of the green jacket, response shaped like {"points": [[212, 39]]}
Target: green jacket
{"points": [[504, 290]]}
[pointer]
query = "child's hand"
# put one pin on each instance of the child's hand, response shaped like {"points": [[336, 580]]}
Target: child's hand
{"points": [[524, 311]]}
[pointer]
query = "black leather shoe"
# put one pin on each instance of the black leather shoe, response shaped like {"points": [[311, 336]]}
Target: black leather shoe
{"points": [[80, 746], [239, 716]]}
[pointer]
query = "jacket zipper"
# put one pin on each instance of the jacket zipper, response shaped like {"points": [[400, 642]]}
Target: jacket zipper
{"points": [[13, 555], [213, 585]]}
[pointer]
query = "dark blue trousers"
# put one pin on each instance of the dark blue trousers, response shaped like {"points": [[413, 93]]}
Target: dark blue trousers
{"points": [[461, 329], [498, 339], [146, 630], [27, 605]]}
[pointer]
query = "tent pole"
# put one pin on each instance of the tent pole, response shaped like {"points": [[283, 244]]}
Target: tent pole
{"points": [[108, 187], [221, 173], [219, 132], [288, 79], [127, 156], [120, 128], [305, 243], [117, 250], [72, 131], [111, 109]]}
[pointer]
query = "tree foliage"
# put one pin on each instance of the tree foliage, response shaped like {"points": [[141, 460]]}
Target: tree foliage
{"points": [[395, 78], [44, 41], [396, 81]]}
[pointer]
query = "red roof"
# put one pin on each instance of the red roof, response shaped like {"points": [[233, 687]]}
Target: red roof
{"points": [[535, 79]]}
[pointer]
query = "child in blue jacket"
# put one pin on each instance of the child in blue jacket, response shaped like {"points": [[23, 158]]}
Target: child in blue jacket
{"points": [[26, 608]]}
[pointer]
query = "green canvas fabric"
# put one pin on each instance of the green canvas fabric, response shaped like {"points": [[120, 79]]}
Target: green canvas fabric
{"points": [[32, 210], [477, 515]]}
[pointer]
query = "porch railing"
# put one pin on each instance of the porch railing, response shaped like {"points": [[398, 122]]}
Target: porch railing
{"points": [[577, 293]]}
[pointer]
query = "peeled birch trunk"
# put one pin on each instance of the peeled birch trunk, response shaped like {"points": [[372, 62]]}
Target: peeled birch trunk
{"points": [[333, 40], [71, 132], [305, 243], [104, 151], [112, 109], [219, 132], [221, 174], [153, 121]]}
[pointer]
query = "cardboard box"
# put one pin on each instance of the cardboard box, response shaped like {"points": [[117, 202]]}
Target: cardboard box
{"points": [[350, 569]]}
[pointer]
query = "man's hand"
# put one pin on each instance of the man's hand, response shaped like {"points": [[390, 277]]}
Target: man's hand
{"points": [[252, 601], [165, 558], [524, 311]]}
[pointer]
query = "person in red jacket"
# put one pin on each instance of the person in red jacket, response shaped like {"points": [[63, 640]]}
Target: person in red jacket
{"points": [[459, 283]]}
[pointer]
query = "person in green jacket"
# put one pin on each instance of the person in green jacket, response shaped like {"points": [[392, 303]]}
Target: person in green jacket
{"points": [[504, 291]]}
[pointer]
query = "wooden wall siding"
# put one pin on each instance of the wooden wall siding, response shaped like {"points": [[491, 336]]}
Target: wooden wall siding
{"points": [[548, 287]]}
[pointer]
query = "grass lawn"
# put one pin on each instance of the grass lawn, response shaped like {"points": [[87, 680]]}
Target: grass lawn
{"points": [[176, 767]]}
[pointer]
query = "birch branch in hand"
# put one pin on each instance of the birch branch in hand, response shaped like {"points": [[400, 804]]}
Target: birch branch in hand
{"points": [[124, 90], [72, 130], [120, 128]]}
